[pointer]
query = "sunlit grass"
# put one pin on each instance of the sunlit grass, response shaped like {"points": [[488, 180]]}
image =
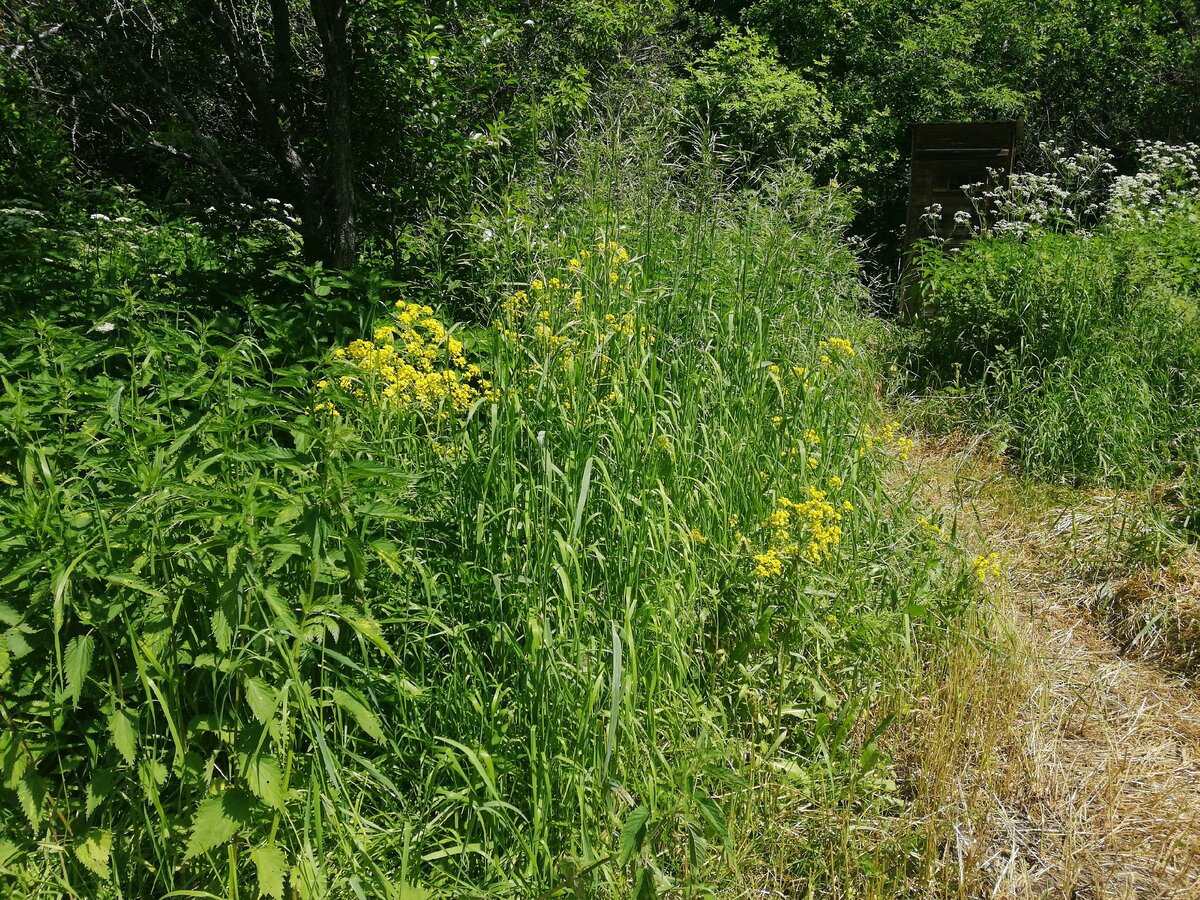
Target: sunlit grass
{"points": [[584, 631]]}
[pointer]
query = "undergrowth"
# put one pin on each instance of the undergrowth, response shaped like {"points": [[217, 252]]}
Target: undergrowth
{"points": [[579, 598], [1076, 341]]}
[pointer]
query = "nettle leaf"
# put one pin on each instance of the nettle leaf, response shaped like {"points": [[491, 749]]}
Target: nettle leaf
{"points": [[308, 881], [272, 867], [78, 663], [217, 821], [17, 644], [633, 834], [358, 710], [122, 725], [103, 782], [644, 887], [222, 631], [262, 700], [265, 780], [94, 850], [716, 820], [8, 615], [31, 794]]}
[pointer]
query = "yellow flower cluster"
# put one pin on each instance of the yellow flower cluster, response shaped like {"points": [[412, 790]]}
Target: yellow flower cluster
{"points": [[819, 522], [985, 567], [768, 564], [930, 527], [413, 363], [889, 437], [616, 256], [839, 347]]}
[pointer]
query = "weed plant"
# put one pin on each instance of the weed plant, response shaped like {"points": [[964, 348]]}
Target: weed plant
{"points": [[1082, 347], [286, 624]]}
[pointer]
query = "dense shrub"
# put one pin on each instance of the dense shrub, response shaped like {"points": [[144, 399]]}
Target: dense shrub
{"points": [[756, 103]]}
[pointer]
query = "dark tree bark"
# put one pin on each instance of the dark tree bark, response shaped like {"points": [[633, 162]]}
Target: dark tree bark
{"points": [[330, 17], [301, 109]]}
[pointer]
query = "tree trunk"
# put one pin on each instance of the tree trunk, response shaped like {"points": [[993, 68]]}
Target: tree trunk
{"points": [[339, 226]]}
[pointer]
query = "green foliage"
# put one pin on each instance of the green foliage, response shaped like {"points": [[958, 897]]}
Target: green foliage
{"points": [[264, 633], [1088, 345], [758, 104], [1064, 68], [33, 161]]}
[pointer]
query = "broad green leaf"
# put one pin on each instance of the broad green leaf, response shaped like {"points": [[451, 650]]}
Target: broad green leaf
{"points": [[122, 727], [716, 820], [31, 792], [102, 784], [222, 631], [78, 662], [8, 615], [17, 644], [262, 700], [265, 780], [217, 821], [272, 870], [307, 879], [94, 850], [633, 834], [366, 719], [644, 887]]}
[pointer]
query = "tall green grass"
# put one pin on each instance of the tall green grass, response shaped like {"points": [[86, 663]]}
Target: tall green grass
{"points": [[264, 636], [1083, 350]]}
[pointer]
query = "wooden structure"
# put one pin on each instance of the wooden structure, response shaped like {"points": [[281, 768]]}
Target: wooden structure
{"points": [[946, 156]]}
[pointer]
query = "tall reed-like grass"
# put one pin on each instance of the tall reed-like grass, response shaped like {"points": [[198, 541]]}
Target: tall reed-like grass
{"points": [[570, 620]]}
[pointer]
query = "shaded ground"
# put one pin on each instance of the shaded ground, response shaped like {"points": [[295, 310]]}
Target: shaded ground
{"points": [[1084, 780]]}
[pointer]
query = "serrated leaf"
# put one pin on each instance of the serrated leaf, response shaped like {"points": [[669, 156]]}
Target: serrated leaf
{"points": [[8, 615], [716, 820], [357, 710], [222, 631], [307, 879], [31, 791], [217, 821], [94, 850], [262, 700], [265, 779], [17, 644], [633, 834], [123, 727], [271, 865], [99, 788], [152, 775], [413, 892], [78, 662]]}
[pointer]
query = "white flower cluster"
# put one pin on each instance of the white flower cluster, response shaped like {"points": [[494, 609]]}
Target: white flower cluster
{"points": [[1079, 191]]}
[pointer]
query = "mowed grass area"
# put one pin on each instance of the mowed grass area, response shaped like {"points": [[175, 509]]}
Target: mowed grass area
{"points": [[600, 591]]}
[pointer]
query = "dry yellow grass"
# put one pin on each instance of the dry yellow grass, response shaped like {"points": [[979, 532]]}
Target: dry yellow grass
{"points": [[1085, 778]]}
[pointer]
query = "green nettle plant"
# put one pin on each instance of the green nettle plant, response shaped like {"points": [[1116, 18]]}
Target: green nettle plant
{"points": [[570, 600]]}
